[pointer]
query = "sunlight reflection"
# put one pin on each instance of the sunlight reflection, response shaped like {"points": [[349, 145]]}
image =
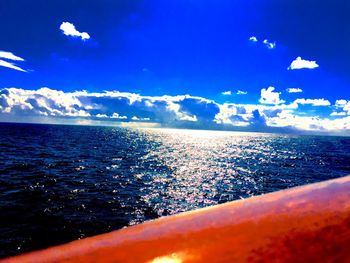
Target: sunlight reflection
{"points": [[198, 168], [173, 258], [203, 133]]}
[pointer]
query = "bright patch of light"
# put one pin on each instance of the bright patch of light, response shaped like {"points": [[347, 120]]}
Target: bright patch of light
{"points": [[173, 258]]}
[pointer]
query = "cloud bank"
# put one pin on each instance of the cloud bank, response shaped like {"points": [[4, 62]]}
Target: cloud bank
{"points": [[186, 111], [69, 30]]}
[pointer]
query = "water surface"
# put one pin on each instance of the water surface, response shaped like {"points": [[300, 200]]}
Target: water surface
{"points": [[60, 183]]}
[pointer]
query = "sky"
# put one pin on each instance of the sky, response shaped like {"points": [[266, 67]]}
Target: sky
{"points": [[259, 65]]}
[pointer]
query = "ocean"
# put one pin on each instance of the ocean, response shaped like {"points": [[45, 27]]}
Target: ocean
{"points": [[61, 183]]}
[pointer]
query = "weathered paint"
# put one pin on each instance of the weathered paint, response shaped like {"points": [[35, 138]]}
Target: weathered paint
{"points": [[303, 224]]}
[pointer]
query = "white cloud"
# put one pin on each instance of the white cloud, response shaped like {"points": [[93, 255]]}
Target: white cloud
{"points": [[135, 118], [101, 116], [253, 39], [10, 65], [313, 102], [117, 116], [10, 56], [241, 92], [310, 123], [43, 101], [232, 114], [54, 103], [192, 118], [340, 103], [279, 116], [344, 105], [69, 30], [294, 90], [269, 96], [300, 63], [227, 93], [180, 115], [342, 113], [269, 45]]}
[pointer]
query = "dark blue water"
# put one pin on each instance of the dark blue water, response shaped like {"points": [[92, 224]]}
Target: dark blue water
{"points": [[60, 183]]}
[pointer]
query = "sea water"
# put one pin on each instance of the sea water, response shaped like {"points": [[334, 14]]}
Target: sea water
{"points": [[61, 183]]}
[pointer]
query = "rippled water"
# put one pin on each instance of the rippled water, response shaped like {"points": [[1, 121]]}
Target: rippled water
{"points": [[60, 183]]}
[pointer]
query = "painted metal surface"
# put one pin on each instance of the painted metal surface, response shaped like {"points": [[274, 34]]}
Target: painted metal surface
{"points": [[303, 224]]}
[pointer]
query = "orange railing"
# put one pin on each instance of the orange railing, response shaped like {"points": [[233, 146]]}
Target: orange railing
{"points": [[303, 224]]}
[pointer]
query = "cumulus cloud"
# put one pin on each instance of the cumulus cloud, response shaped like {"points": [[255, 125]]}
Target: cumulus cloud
{"points": [[344, 105], [69, 30], [269, 96], [279, 117], [340, 103], [9, 64], [294, 90], [227, 93], [253, 39], [117, 116], [101, 115], [300, 63], [234, 114], [172, 111], [269, 45], [135, 118], [241, 92]]}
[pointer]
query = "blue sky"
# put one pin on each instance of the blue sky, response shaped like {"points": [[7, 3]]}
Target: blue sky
{"points": [[245, 65]]}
